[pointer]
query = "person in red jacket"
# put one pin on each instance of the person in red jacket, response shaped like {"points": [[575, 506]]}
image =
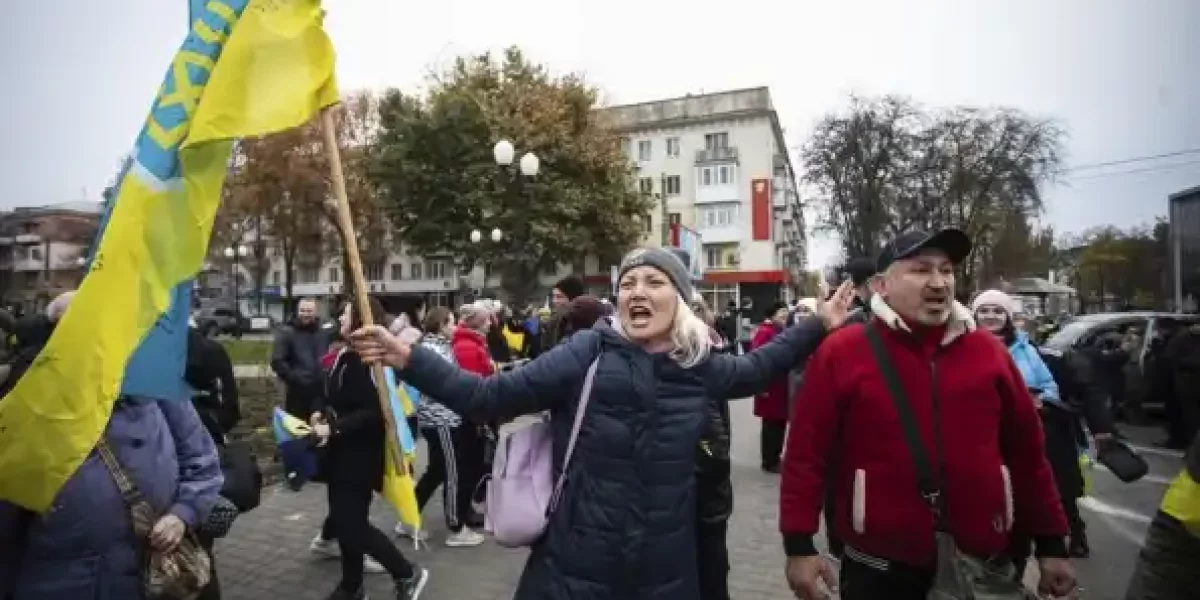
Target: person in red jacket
{"points": [[469, 341], [772, 405], [976, 420]]}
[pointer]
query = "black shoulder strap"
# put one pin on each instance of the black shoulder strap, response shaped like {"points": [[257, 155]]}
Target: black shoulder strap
{"points": [[926, 481]]}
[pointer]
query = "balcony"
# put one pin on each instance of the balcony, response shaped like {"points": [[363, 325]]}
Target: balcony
{"points": [[716, 155]]}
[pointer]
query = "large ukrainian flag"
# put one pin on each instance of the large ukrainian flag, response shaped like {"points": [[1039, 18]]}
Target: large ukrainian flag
{"points": [[247, 68]]}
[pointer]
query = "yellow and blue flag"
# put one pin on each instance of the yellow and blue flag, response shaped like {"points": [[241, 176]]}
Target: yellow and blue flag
{"points": [[295, 450], [399, 486], [246, 68]]}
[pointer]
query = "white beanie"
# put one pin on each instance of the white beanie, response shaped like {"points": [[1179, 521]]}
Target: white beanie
{"points": [[993, 298]]}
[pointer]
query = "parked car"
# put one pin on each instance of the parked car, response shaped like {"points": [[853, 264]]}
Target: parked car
{"points": [[216, 321], [1084, 332]]}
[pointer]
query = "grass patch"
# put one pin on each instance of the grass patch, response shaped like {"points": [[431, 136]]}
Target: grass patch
{"points": [[248, 352]]}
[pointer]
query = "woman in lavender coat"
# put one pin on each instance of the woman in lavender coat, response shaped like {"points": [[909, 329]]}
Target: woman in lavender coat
{"points": [[84, 546]]}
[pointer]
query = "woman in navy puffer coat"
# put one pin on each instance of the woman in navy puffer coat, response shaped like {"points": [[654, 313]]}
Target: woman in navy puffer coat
{"points": [[625, 527]]}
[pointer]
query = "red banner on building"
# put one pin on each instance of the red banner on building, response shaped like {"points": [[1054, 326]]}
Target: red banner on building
{"points": [[760, 209]]}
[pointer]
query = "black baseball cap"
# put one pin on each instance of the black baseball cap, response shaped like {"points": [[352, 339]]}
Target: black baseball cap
{"points": [[954, 242]]}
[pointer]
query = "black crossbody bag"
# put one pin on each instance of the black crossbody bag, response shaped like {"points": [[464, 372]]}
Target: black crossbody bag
{"points": [[958, 576]]}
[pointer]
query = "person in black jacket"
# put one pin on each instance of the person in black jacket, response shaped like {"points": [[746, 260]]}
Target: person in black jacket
{"points": [[714, 488], [209, 372], [351, 428], [1083, 392]]}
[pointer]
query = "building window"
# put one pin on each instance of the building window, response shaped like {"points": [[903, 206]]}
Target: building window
{"points": [[719, 256], [308, 274], [674, 218], [646, 185], [437, 269], [712, 141], [416, 271], [35, 253], [717, 215], [21, 253], [672, 147], [276, 276], [333, 274], [374, 271], [397, 272], [644, 150], [625, 147], [672, 185], [550, 269], [717, 175], [648, 224]]}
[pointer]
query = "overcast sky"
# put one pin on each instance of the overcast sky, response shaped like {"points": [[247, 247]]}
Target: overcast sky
{"points": [[1123, 75]]}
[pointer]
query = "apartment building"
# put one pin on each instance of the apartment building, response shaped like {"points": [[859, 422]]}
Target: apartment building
{"points": [[42, 251], [718, 165]]}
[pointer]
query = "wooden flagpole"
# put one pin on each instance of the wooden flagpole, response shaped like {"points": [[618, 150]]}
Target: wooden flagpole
{"points": [[362, 304]]}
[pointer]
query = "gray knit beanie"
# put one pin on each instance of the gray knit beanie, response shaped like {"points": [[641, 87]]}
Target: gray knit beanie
{"points": [[665, 260]]}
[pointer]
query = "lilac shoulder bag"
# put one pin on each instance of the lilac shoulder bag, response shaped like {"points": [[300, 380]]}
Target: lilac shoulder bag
{"points": [[523, 491]]}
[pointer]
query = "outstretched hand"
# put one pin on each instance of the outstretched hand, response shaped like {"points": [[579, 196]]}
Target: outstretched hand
{"points": [[375, 344], [836, 309]]}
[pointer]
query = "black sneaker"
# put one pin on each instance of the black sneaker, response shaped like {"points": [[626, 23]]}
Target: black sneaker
{"points": [[341, 594], [411, 588], [1078, 548]]}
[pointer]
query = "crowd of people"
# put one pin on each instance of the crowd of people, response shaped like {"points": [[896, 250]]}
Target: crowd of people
{"points": [[940, 444]]}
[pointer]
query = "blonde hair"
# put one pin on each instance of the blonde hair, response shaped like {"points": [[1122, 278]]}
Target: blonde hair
{"points": [[690, 336]]}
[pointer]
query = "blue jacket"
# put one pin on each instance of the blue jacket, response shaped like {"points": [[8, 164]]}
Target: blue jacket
{"points": [[84, 548], [625, 527], [1034, 369]]}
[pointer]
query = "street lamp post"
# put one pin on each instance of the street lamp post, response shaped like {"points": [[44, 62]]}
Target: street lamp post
{"points": [[236, 254], [476, 238]]}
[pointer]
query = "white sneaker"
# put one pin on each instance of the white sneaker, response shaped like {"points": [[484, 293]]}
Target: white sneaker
{"points": [[329, 549], [324, 548], [403, 530], [371, 567], [465, 538]]}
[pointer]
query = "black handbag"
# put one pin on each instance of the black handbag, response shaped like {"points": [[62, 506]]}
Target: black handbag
{"points": [[958, 576], [243, 478], [1123, 461]]}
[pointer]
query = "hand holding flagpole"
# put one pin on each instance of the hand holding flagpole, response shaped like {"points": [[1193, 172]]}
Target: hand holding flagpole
{"points": [[362, 305]]}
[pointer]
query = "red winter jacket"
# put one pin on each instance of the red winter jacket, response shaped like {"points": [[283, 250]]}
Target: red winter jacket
{"points": [[471, 351], [772, 403], [994, 461]]}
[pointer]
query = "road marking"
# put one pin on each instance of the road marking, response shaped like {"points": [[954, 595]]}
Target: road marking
{"points": [[1158, 451], [1101, 507], [1115, 517], [1148, 478]]}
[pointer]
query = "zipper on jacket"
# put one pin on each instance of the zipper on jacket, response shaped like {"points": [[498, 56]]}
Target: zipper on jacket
{"points": [[938, 501]]}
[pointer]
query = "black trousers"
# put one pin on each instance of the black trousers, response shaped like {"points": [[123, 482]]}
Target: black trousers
{"points": [[212, 591], [712, 557], [771, 442], [860, 581], [455, 460], [349, 516]]}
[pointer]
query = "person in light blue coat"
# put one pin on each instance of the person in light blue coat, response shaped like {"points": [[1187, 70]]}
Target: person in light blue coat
{"points": [[993, 311]]}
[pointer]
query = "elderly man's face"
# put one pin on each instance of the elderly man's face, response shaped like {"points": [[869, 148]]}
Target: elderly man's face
{"points": [[921, 288]]}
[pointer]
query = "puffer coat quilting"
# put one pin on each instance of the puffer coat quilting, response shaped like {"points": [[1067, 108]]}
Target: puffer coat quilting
{"points": [[625, 527]]}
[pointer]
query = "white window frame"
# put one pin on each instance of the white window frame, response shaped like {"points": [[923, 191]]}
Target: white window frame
{"points": [[645, 150]]}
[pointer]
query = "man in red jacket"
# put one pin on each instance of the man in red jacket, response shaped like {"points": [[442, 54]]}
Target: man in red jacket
{"points": [[976, 421]]}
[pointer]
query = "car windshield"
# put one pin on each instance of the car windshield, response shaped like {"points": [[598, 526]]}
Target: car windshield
{"points": [[1066, 337]]}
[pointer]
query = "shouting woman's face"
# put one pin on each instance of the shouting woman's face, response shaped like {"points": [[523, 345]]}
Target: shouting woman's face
{"points": [[646, 304]]}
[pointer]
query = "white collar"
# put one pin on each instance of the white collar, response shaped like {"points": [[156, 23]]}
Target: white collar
{"points": [[961, 321]]}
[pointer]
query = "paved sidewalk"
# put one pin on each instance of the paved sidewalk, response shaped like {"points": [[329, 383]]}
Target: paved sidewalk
{"points": [[266, 555]]}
